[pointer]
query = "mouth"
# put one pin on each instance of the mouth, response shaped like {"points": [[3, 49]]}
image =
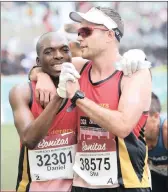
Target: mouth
{"points": [[56, 63], [83, 47], [56, 67]]}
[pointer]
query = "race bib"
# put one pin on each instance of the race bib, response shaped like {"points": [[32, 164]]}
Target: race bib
{"points": [[53, 158], [96, 162]]}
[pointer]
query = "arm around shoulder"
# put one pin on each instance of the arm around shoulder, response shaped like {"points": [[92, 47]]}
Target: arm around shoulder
{"points": [[79, 62]]}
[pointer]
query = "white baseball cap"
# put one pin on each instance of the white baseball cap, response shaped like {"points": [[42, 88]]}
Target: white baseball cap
{"points": [[96, 16]]}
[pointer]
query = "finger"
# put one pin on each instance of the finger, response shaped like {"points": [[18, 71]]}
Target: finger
{"points": [[68, 65], [70, 68], [69, 77], [124, 62], [128, 67], [71, 71], [37, 95], [144, 65], [46, 99], [134, 66], [61, 92], [41, 98]]}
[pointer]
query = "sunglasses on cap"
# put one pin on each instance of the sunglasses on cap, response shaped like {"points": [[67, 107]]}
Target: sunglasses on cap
{"points": [[87, 31]]}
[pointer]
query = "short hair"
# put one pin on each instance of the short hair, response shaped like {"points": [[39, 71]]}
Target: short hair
{"points": [[38, 45], [155, 104], [114, 15], [46, 35]]}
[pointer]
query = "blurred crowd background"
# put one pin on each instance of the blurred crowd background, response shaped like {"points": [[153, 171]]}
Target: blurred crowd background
{"points": [[23, 22]]}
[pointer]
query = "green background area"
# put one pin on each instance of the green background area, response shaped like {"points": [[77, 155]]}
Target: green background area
{"points": [[9, 157], [9, 138]]}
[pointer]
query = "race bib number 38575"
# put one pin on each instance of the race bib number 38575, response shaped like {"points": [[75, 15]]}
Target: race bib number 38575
{"points": [[96, 162], [52, 162]]}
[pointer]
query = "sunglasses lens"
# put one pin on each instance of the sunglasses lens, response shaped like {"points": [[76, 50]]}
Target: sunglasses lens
{"points": [[84, 32]]}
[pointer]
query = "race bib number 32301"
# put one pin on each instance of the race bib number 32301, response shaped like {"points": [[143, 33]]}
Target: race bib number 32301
{"points": [[52, 164], [53, 158]]}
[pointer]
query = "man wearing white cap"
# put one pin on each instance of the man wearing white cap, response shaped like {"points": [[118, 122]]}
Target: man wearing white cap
{"points": [[111, 153], [112, 109]]}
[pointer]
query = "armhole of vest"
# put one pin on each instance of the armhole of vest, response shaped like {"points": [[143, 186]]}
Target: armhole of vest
{"points": [[84, 67], [119, 85], [63, 104], [31, 95]]}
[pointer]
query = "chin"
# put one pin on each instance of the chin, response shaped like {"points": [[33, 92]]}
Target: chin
{"points": [[55, 75], [85, 56]]}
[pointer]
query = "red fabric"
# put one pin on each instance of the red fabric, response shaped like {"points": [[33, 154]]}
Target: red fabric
{"points": [[63, 121]]}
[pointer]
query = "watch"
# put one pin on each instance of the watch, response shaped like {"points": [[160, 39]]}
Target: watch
{"points": [[78, 95]]}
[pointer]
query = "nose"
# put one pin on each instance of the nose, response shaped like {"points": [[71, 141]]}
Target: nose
{"points": [[58, 55], [79, 38]]}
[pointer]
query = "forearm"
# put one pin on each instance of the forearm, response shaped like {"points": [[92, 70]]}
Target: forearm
{"points": [[39, 127], [111, 120], [34, 72]]}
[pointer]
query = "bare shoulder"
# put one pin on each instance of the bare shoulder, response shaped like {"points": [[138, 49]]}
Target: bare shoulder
{"points": [[142, 77], [137, 89], [79, 62], [20, 93]]}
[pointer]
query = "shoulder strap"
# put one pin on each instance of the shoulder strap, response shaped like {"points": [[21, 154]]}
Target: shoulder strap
{"points": [[31, 95], [84, 67]]}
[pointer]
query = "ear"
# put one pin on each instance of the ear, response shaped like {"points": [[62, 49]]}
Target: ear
{"points": [[111, 35], [37, 61], [155, 116]]}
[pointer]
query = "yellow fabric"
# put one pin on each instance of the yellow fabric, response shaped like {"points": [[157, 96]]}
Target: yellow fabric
{"points": [[129, 177], [25, 180]]}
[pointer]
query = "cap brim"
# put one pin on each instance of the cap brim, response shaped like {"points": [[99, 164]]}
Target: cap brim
{"points": [[76, 16]]}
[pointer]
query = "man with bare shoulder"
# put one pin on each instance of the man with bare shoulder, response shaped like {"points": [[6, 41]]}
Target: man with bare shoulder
{"points": [[112, 110], [157, 140], [47, 133]]}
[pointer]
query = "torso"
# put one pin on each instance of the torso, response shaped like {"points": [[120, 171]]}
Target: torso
{"points": [[95, 143], [43, 168], [158, 155]]}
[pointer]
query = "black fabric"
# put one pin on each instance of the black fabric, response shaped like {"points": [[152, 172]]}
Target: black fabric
{"points": [[159, 182], [137, 153], [31, 95], [119, 85], [118, 189], [118, 34], [99, 82], [28, 173], [20, 167], [120, 179], [84, 67]]}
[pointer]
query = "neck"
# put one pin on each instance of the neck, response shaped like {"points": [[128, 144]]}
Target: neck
{"points": [[155, 135], [55, 80], [104, 63]]}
